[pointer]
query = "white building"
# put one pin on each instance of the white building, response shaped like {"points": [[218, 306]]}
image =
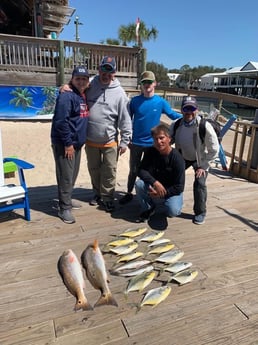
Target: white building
{"points": [[172, 78], [242, 81]]}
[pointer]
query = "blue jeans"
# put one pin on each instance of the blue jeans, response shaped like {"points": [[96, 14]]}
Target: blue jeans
{"points": [[171, 206]]}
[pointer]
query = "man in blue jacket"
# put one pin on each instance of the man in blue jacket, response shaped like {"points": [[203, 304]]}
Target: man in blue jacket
{"points": [[68, 135], [145, 110]]}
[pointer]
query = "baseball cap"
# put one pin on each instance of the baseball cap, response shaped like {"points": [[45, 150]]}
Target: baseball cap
{"points": [[108, 64], [189, 102], [147, 75], [80, 71]]}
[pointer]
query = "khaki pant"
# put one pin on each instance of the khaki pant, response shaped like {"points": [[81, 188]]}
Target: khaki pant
{"points": [[102, 166]]}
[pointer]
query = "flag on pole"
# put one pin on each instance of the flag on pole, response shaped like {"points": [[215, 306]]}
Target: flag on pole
{"points": [[137, 30]]}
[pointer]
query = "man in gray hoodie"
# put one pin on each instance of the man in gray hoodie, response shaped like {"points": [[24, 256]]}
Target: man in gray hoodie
{"points": [[109, 131]]}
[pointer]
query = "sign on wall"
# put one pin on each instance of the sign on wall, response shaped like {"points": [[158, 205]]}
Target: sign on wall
{"points": [[27, 102]]}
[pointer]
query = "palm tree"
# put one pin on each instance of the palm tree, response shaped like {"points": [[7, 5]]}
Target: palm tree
{"points": [[127, 33], [22, 98]]}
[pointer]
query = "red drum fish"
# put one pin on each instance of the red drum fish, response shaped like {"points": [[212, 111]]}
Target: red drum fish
{"points": [[70, 270], [94, 265]]}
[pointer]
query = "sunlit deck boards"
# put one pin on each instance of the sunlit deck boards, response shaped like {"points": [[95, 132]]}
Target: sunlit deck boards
{"points": [[219, 307]]}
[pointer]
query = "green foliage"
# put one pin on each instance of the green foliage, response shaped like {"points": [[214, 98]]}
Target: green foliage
{"points": [[160, 72], [127, 34], [190, 75]]}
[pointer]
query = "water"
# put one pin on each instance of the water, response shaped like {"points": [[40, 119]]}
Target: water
{"points": [[207, 105]]}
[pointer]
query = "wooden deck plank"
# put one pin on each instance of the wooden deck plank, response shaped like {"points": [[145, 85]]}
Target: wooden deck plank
{"points": [[40, 334], [218, 307]]}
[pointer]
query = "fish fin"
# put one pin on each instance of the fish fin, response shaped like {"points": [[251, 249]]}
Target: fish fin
{"points": [[113, 273], [84, 305], [95, 244], [107, 299]]}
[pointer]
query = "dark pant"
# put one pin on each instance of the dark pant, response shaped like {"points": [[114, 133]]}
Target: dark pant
{"points": [[66, 173], [199, 190], [136, 153]]}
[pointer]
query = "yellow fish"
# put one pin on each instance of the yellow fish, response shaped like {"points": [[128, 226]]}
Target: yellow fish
{"points": [[120, 242], [161, 249], [138, 283], [129, 257], [153, 236], [155, 296], [133, 232], [122, 250], [185, 277], [158, 242], [170, 257]]}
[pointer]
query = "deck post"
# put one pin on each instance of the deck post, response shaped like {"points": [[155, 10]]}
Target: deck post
{"points": [[60, 66]]}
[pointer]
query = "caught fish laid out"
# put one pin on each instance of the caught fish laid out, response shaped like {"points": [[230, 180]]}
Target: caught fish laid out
{"points": [[133, 232], [70, 270], [136, 272], [120, 242], [138, 283], [153, 236], [122, 250], [94, 265], [161, 249], [158, 242], [129, 257], [184, 277], [178, 267], [170, 257], [155, 296], [131, 265]]}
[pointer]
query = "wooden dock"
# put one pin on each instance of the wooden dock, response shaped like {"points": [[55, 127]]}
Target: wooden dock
{"points": [[219, 307]]}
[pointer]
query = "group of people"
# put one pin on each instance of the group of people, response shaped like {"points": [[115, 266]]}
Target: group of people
{"points": [[100, 115]]}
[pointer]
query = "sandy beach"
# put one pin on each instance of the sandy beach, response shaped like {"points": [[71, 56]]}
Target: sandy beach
{"points": [[30, 141]]}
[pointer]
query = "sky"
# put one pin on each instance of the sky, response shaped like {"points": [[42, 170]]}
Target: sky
{"points": [[218, 33]]}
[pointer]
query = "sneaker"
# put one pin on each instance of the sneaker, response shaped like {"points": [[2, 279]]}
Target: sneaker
{"points": [[109, 206], [66, 216], [95, 201], [126, 198], [145, 215], [200, 219], [76, 205]]}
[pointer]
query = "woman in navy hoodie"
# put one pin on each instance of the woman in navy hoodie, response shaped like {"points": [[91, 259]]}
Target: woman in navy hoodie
{"points": [[68, 135]]}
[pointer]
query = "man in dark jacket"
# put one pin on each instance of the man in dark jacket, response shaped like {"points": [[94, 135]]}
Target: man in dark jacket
{"points": [[162, 177], [68, 135]]}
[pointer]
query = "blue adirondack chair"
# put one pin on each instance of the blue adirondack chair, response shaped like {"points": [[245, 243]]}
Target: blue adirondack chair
{"points": [[14, 196]]}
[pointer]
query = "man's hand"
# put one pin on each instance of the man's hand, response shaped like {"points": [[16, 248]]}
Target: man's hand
{"points": [[158, 190], [121, 150], [69, 152], [199, 172]]}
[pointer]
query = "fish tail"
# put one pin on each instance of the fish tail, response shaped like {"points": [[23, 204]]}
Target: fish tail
{"points": [[114, 273], [160, 270], [82, 304], [138, 308], [107, 299]]}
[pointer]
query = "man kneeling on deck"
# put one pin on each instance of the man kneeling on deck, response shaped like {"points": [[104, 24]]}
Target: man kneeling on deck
{"points": [[162, 177]]}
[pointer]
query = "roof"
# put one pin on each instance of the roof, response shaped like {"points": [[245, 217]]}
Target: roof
{"points": [[34, 18]]}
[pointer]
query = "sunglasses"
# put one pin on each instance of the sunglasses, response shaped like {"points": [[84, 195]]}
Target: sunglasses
{"points": [[107, 69], [146, 82], [189, 109]]}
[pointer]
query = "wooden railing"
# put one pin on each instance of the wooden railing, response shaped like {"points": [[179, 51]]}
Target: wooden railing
{"points": [[46, 62], [244, 157]]}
